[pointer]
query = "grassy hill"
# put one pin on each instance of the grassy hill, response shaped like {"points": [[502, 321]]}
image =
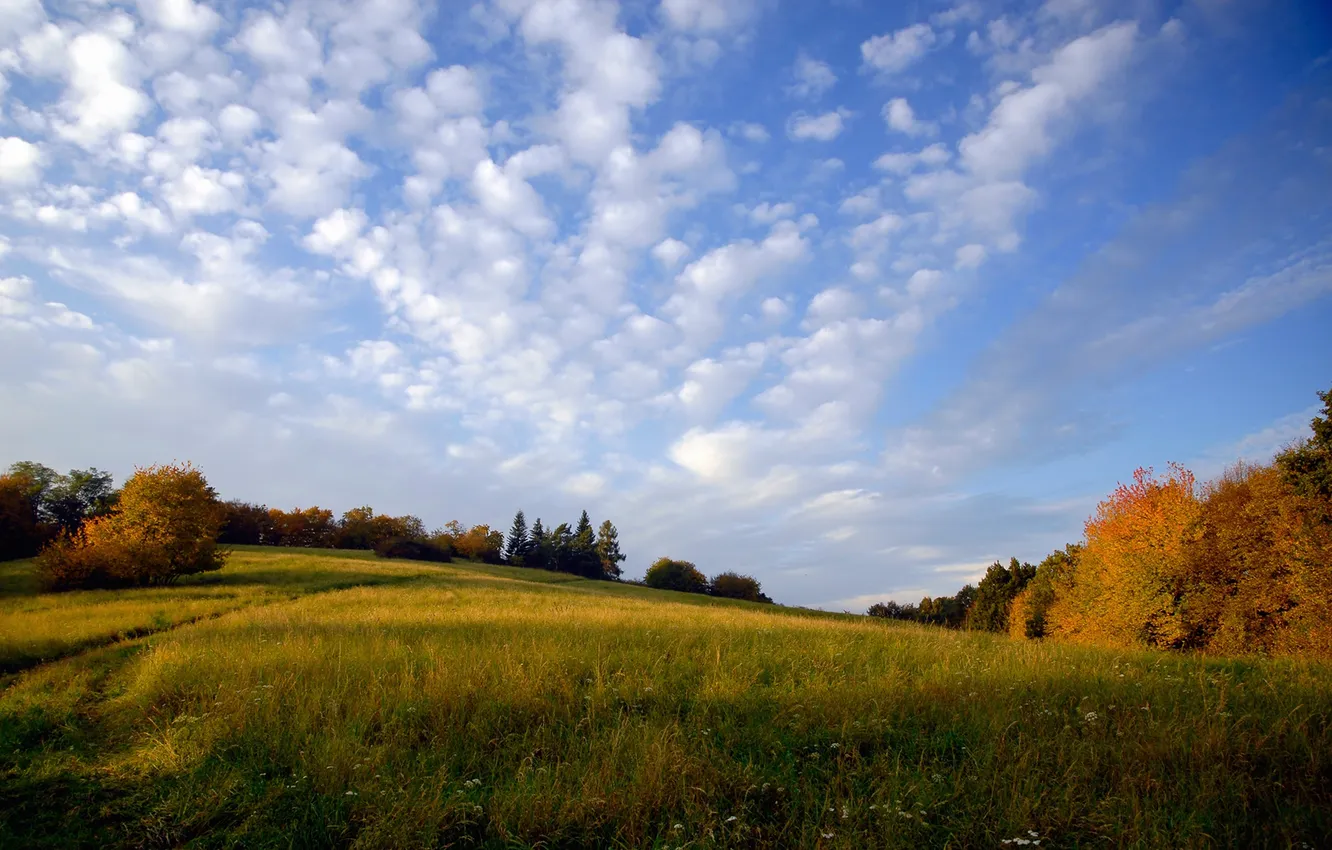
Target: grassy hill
{"points": [[317, 699]]}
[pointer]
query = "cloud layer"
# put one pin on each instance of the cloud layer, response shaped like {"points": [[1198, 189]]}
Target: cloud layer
{"points": [[557, 253]]}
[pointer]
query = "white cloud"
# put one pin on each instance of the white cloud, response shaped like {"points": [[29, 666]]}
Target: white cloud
{"points": [[20, 162], [823, 128], [707, 15], [894, 52], [901, 117], [750, 131], [669, 252], [813, 78], [102, 98], [1020, 128]]}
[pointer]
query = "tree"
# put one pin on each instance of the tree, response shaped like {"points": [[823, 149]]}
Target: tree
{"points": [[561, 549], [669, 574], [356, 529], [21, 534], [479, 543], [539, 553], [583, 558], [164, 527], [518, 541], [309, 528], [732, 585], [1128, 586], [244, 523], [995, 593], [1028, 617], [1307, 465], [608, 551], [64, 502]]}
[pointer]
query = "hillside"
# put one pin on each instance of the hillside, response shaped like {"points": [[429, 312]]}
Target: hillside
{"points": [[330, 699]]}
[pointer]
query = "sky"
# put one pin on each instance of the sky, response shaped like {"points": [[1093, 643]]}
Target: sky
{"points": [[853, 297]]}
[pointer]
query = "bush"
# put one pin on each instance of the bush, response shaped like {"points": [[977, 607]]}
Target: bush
{"points": [[668, 574], [413, 550], [732, 585], [165, 526]]}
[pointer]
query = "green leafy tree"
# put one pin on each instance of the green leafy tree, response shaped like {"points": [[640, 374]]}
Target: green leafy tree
{"points": [[1307, 465], [561, 549], [995, 593], [64, 502], [518, 541], [20, 533], [245, 523], [670, 574], [608, 551], [1028, 617]]}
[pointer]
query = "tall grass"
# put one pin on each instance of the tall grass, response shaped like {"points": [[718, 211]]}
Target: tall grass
{"points": [[472, 708]]}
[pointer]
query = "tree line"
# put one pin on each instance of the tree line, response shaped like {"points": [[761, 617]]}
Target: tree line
{"points": [[1241, 564], [167, 522]]}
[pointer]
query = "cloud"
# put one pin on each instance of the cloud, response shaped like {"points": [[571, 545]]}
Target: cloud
{"points": [[548, 252], [900, 117], [822, 128], [20, 161], [813, 78], [894, 52]]}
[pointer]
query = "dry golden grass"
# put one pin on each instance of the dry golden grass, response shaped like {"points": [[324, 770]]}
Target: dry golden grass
{"points": [[468, 706]]}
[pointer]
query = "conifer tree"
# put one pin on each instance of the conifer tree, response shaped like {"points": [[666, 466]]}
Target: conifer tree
{"points": [[608, 551], [583, 558], [516, 546], [538, 547]]}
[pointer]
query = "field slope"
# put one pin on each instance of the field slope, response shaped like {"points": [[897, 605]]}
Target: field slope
{"points": [[303, 699]]}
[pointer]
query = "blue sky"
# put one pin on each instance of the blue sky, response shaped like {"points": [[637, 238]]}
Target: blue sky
{"points": [[853, 297]]}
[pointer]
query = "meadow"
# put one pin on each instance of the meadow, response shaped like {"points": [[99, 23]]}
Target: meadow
{"points": [[328, 699]]}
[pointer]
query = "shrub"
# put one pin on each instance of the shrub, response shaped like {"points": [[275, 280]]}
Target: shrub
{"points": [[669, 574], [164, 527], [732, 585], [414, 550]]}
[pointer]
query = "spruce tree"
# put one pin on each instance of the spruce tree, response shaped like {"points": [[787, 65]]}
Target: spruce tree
{"points": [[608, 551], [538, 547], [583, 549], [515, 547]]}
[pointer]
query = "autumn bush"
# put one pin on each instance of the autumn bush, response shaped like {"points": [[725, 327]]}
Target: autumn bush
{"points": [[733, 585], [670, 574], [165, 526]]}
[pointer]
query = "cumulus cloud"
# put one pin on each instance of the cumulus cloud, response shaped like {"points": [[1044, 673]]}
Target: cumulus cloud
{"points": [[894, 52], [822, 128], [813, 78], [552, 246]]}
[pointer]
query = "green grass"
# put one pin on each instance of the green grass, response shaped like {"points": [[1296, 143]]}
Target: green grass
{"points": [[471, 706]]}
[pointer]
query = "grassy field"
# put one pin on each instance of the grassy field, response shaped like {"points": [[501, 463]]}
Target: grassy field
{"points": [[323, 701]]}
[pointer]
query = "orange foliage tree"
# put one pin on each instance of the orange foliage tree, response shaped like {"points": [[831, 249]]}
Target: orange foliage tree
{"points": [[165, 526], [1129, 584]]}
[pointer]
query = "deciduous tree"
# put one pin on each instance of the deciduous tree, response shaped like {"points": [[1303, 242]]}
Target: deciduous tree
{"points": [[165, 526]]}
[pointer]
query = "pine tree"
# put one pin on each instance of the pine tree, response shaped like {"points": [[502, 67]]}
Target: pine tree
{"points": [[515, 548], [538, 547], [608, 551], [583, 550]]}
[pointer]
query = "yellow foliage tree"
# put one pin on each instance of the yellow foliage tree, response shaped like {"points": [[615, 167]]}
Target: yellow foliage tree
{"points": [[1128, 587], [165, 526]]}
